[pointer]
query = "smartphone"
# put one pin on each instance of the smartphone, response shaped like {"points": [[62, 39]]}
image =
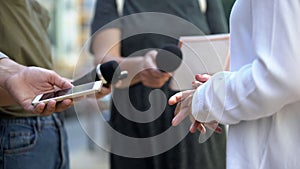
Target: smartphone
{"points": [[71, 93]]}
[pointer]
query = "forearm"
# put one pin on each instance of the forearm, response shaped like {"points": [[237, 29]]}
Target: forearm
{"points": [[106, 47], [8, 68]]}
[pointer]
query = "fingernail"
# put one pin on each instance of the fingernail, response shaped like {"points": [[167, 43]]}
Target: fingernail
{"points": [[219, 130]]}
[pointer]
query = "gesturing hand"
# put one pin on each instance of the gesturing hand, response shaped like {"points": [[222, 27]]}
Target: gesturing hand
{"points": [[183, 108]]}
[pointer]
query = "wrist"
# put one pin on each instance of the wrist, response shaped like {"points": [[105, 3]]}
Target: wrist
{"points": [[134, 65], [8, 68], [198, 104]]}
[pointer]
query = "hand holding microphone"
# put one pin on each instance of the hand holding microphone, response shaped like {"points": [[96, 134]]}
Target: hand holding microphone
{"points": [[158, 66], [169, 58]]}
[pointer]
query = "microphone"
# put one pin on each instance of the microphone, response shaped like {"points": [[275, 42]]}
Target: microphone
{"points": [[169, 58], [108, 73]]}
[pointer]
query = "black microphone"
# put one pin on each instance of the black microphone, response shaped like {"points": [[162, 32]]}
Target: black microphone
{"points": [[168, 58], [108, 73]]}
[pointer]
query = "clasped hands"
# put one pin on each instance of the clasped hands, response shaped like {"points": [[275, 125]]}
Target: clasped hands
{"points": [[184, 107]]}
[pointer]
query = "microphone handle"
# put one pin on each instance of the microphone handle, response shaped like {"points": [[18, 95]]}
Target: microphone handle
{"points": [[87, 78]]}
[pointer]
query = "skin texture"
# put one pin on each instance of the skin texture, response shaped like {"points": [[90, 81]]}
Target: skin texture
{"points": [[20, 84], [184, 101], [183, 108]]}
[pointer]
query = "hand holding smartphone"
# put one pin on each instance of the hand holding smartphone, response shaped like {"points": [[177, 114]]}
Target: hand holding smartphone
{"points": [[74, 92]]}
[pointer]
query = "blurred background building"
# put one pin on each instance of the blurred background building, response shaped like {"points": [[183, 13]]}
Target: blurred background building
{"points": [[69, 30]]}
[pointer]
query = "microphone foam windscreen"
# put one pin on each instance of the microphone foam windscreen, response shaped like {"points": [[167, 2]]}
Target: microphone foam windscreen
{"points": [[110, 71], [169, 58]]}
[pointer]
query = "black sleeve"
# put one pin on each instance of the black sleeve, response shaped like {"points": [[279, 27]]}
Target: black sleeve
{"points": [[105, 12], [216, 17]]}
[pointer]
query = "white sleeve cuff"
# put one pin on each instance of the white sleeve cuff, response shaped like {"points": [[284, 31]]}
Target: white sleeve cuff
{"points": [[209, 99], [198, 104], [2, 56]]}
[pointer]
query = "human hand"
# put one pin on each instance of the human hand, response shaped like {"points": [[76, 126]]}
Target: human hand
{"points": [[104, 91], [28, 82], [184, 99], [183, 108], [150, 76], [202, 77]]}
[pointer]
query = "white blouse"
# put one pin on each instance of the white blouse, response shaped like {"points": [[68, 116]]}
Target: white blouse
{"points": [[260, 97]]}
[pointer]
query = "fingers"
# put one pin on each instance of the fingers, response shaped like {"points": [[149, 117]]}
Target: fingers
{"points": [[214, 126], [155, 73], [150, 76], [202, 77], [197, 126], [58, 81], [194, 126], [154, 78], [50, 108], [181, 96], [38, 109], [201, 127], [179, 115], [63, 105], [149, 59], [152, 54], [175, 98], [218, 130], [104, 91], [183, 108], [181, 112]]}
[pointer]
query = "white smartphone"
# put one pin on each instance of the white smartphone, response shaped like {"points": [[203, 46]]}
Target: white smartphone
{"points": [[74, 92]]}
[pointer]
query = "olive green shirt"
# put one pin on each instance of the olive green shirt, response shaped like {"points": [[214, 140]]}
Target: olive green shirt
{"points": [[24, 38]]}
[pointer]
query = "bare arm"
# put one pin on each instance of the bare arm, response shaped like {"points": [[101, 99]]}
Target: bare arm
{"points": [[6, 98], [7, 69], [106, 46], [6, 72]]}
